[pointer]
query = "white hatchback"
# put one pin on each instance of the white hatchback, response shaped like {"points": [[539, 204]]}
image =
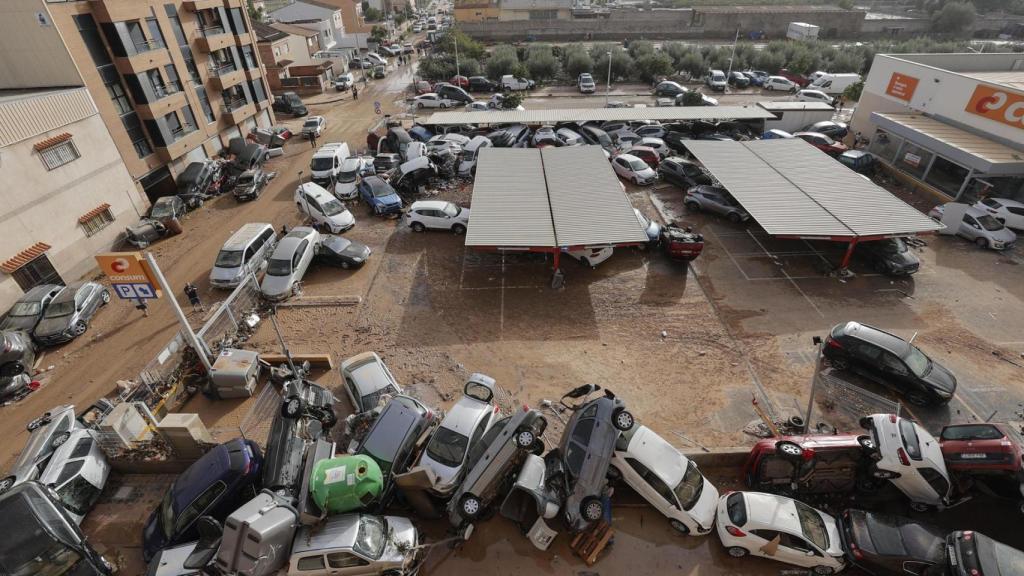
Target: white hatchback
{"points": [[631, 168], [813, 96], [432, 100], [591, 256], [438, 215], [780, 528], [780, 83], [911, 458]]}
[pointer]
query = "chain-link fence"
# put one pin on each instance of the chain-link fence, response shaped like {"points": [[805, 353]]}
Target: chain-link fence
{"points": [[230, 322], [843, 403], [255, 423]]}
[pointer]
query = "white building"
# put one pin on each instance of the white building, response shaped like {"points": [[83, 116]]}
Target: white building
{"points": [[313, 15], [952, 122], [66, 194]]}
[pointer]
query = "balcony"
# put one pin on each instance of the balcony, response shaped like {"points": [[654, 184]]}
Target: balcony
{"points": [[226, 76], [170, 101], [185, 138], [213, 38], [139, 63], [197, 5], [237, 110]]}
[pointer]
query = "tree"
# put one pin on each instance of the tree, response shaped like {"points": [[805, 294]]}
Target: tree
{"points": [[468, 47], [954, 18], [541, 63], [693, 64], [692, 98], [853, 92], [255, 14], [511, 101], [499, 65], [640, 48], [650, 67], [378, 34], [577, 63], [846, 4], [371, 14], [622, 64]]}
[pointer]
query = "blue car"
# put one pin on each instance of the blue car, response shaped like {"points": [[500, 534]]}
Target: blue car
{"points": [[380, 196], [215, 485]]}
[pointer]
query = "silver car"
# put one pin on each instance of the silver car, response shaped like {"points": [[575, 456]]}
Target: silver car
{"points": [[366, 379], [46, 434], [28, 310], [69, 313], [77, 472], [979, 227], [289, 262], [716, 200], [356, 545]]}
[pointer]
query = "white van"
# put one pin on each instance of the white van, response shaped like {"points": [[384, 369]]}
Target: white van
{"points": [[245, 251], [323, 208], [326, 163], [467, 164], [834, 83], [345, 187]]}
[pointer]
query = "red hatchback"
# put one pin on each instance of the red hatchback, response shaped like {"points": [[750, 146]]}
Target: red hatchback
{"points": [[799, 79], [980, 448], [647, 154], [460, 81], [809, 464], [822, 142]]}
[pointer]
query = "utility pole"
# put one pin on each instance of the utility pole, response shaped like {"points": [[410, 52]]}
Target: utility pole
{"points": [[732, 56], [193, 340], [608, 80], [456, 40], [814, 384]]}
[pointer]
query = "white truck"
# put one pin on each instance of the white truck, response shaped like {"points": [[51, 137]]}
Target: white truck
{"points": [[802, 31], [510, 82], [833, 83], [794, 116], [326, 163]]}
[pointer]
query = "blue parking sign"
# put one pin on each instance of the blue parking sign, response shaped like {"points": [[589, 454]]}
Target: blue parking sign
{"points": [[135, 291]]}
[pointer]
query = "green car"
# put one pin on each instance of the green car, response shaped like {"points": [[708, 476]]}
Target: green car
{"points": [[345, 483]]}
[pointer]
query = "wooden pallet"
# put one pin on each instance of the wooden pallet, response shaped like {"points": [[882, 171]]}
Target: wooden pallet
{"points": [[589, 544]]}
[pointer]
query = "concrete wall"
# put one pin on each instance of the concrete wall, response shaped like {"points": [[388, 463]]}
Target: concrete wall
{"points": [[33, 53], [40, 205]]}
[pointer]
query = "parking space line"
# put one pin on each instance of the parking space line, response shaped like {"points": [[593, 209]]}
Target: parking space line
{"points": [[815, 251], [729, 254], [501, 322], [788, 277]]}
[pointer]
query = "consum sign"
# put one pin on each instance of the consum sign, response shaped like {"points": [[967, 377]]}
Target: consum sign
{"points": [[997, 104]]}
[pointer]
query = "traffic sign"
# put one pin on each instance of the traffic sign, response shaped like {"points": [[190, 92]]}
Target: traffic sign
{"points": [[129, 275], [376, 107]]}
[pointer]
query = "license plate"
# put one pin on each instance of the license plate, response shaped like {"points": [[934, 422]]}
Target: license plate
{"points": [[952, 556], [972, 455]]}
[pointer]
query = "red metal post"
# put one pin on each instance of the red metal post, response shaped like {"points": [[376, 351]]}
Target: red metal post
{"points": [[557, 259], [849, 254]]}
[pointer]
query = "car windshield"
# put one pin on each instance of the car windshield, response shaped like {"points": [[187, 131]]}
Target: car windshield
{"points": [[161, 210], [246, 180], [918, 362], [452, 210], [276, 267], [910, 440], [78, 495], [448, 447], [167, 513], [972, 432], [332, 207], [229, 259], [32, 550], [348, 176], [989, 223], [59, 309], [893, 245], [812, 525], [25, 309], [323, 163], [310, 124], [689, 488], [468, 155], [382, 190], [371, 537], [637, 165]]}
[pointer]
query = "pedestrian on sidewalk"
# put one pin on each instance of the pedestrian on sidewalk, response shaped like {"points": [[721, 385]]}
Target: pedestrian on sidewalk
{"points": [[193, 297], [355, 92]]}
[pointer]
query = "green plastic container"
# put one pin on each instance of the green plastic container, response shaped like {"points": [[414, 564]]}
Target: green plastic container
{"points": [[345, 483]]}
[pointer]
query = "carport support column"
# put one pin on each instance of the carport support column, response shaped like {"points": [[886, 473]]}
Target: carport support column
{"points": [[558, 253], [849, 254]]}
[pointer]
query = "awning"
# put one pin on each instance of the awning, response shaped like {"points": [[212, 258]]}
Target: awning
{"points": [[977, 152], [793, 189], [93, 213], [550, 197], [24, 257], [51, 142], [662, 114]]}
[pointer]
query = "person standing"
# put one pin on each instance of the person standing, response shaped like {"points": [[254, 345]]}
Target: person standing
{"points": [[355, 92], [140, 304], [193, 297]]}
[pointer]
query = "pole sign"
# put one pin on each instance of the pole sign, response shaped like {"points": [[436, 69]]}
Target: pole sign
{"points": [[376, 107], [130, 275]]}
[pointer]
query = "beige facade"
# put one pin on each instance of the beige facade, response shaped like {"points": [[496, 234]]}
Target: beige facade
{"points": [[171, 79], [65, 187], [477, 11]]}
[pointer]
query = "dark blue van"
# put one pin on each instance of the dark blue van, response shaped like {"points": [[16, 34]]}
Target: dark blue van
{"points": [[215, 485]]}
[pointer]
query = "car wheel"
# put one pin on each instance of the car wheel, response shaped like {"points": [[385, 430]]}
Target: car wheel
{"points": [[917, 399], [823, 570], [622, 419], [418, 227], [734, 217], [105, 297], [59, 439], [419, 105], [613, 474], [80, 328], [636, 181], [867, 443], [459, 229], [693, 207], [524, 438], [884, 474], [789, 450], [292, 407], [981, 242], [6, 483], [679, 526], [345, 265], [737, 552], [839, 363], [443, 105], [33, 425], [919, 507], [592, 509], [470, 506], [329, 419]]}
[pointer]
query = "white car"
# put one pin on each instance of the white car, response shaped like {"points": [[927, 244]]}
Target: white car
{"points": [[1009, 212], [478, 106], [568, 137], [323, 209], [314, 125], [978, 226], [462, 428], [289, 262], [665, 478], [366, 378], [586, 83], [416, 29], [911, 458], [438, 215], [347, 179], [657, 144], [344, 82], [780, 83], [650, 131], [813, 96], [591, 256], [779, 528], [432, 100], [631, 168]]}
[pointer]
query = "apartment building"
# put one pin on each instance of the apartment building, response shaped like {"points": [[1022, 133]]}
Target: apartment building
{"points": [[173, 80]]}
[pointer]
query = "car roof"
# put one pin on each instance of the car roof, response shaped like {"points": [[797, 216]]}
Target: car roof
{"points": [[36, 293], [367, 370], [876, 336], [241, 238], [658, 455], [430, 204], [316, 191], [629, 157], [465, 415], [897, 536], [976, 212], [773, 511], [1009, 202], [287, 246], [337, 532], [212, 466], [67, 294]]}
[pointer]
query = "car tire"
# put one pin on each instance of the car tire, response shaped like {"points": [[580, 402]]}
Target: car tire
{"points": [[918, 399], [692, 207], [734, 217], [613, 475], [329, 420], [58, 440], [839, 363], [345, 265], [919, 507], [419, 105], [7, 483], [538, 447], [418, 227], [981, 242], [679, 527], [592, 509], [443, 105], [34, 424], [884, 474], [470, 507], [866, 443], [524, 438], [737, 552], [459, 229], [105, 297], [80, 327], [291, 407], [622, 419], [823, 570], [789, 450]]}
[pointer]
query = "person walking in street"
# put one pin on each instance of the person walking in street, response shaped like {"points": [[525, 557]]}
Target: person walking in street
{"points": [[355, 92], [193, 297], [312, 140], [140, 304]]}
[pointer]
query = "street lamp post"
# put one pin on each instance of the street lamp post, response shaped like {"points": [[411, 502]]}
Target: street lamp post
{"points": [[456, 40], [608, 80]]}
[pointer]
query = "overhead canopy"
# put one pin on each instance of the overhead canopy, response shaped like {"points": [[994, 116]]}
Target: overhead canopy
{"points": [[549, 197], [971, 150], [663, 114], [793, 189]]}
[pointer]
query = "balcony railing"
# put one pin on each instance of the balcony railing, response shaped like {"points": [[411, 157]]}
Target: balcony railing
{"points": [[222, 69], [230, 106], [182, 131], [212, 31], [148, 45], [166, 90]]}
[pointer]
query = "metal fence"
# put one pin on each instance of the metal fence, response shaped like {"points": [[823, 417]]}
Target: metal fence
{"points": [[255, 423], [228, 324], [135, 429], [843, 403]]}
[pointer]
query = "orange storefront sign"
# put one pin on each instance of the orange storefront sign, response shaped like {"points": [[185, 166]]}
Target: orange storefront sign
{"points": [[901, 86], [997, 104]]}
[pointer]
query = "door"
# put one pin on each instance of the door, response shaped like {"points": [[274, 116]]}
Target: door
{"points": [[653, 489], [303, 255], [345, 563], [896, 374], [1013, 217], [37, 271], [797, 551], [864, 358]]}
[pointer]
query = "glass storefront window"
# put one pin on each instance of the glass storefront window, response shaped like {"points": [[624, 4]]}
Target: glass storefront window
{"points": [[913, 159], [946, 176], [885, 145]]}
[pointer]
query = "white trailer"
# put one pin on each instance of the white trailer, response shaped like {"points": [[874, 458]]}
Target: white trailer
{"points": [[834, 83], [802, 31], [794, 116]]}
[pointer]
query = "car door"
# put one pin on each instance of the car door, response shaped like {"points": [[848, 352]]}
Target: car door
{"points": [[970, 228], [896, 373], [652, 488], [621, 167], [796, 550], [82, 302], [311, 565], [864, 358], [184, 524], [300, 261], [346, 563], [762, 544]]}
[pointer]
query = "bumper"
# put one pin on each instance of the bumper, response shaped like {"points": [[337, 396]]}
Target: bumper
{"points": [[225, 284], [387, 210], [54, 339], [247, 196], [340, 229]]}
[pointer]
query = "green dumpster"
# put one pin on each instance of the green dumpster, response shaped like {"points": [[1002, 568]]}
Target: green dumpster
{"points": [[345, 483]]}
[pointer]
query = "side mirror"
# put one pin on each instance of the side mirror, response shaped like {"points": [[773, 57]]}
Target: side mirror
{"points": [[810, 552]]}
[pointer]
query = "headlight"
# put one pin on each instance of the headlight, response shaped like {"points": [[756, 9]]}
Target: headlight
{"points": [[357, 259]]}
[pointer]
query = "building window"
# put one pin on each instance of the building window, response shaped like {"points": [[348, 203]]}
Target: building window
{"points": [[913, 159], [885, 146], [173, 82], [174, 126], [179, 33], [190, 119], [249, 57], [59, 154], [543, 14], [238, 22], [92, 39], [190, 65], [37, 271], [257, 90], [204, 101], [136, 134], [156, 37], [946, 176], [96, 220]]}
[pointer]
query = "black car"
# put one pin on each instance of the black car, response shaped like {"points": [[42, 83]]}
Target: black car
{"points": [[677, 141], [738, 79], [386, 161], [28, 310], [17, 355], [890, 361], [452, 92], [515, 136], [669, 88], [974, 554], [881, 544], [682, 173], [481, 84], [889, 256], [338, 251], [834, 130], [394, 438], [289, 103], [195, 181], [249, 184]]}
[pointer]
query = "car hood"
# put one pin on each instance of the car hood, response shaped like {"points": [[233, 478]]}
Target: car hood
{"points": [[356, 251], [344, 218], [153, 538], [345, 189], [244, 189], [446, 475], [403, 537], [941, 378], [11, 385], [51, 326], [389, 200], [225, 274], [1004, 235], [277, 287], [707, 505], [903, 259], [25, 323], [647, 173]]}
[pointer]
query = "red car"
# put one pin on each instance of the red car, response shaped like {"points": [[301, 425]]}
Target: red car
{"points": [[647, 154], [420, 87], [800, 79], [812, 464], [980, 448], [822, 142], [460, 81]]}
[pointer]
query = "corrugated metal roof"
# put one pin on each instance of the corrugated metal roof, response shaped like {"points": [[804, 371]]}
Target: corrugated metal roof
{"points": [[510, 200], [34, 113], [1012, 79], [666, 113], [588, 203], [794, 189], [991, 153], [790, 105]]}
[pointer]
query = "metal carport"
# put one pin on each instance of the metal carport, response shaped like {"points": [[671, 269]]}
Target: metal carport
{"points": [[794, 190], [549, 200]]}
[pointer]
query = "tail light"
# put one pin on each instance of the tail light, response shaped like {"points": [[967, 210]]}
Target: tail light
{"points": [[975, 572], [892, 418], [735, 531], [968, 534], [903, 456], [833, 343], [856, 551], [526, 408]]}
